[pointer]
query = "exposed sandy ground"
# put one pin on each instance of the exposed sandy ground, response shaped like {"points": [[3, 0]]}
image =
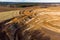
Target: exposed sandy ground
{"points": [[37, 20]]}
